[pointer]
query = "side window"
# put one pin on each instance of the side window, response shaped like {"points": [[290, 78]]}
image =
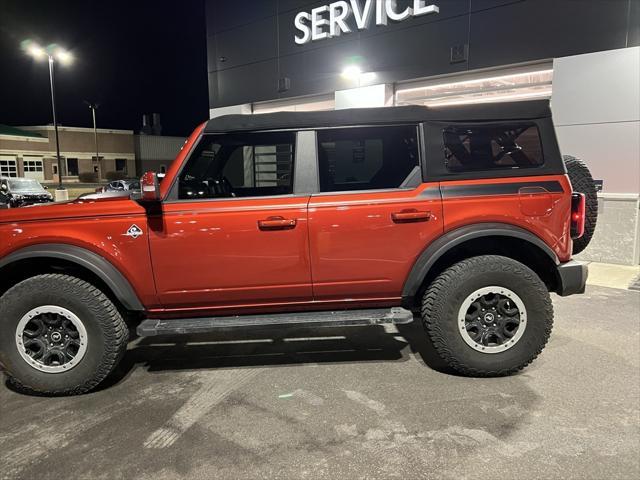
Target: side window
{"points": [[367, 158], [239, 165], [492, 147]]}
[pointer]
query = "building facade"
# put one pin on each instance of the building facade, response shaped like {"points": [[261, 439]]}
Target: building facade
{"points": [[270, 55], [155, 153], [31, 152]]}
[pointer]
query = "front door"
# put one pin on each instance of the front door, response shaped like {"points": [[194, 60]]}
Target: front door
{"points": [[232, 236], [373, 215]]}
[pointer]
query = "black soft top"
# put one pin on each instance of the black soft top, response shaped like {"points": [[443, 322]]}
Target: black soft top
{"points": [[524, 110]]}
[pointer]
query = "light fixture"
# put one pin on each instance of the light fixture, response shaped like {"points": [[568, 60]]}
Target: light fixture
{"points": [[63, 56], [512, 78], [36, 51], [352, 72], [490, 99]]}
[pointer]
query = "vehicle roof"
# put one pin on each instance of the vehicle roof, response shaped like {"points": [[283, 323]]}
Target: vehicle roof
{"points": [[379, 116]]}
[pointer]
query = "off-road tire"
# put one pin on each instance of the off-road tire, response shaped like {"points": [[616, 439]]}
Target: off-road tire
{"points": [[582, 181], [106, 330], [445, 295]]}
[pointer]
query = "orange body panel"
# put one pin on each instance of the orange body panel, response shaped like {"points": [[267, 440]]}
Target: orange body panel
{"points": [[98, 226], [358, 251], [213, 253], [546, 215]]}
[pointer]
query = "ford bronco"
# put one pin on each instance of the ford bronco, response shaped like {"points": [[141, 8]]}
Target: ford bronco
{"points": [[464, 216]]}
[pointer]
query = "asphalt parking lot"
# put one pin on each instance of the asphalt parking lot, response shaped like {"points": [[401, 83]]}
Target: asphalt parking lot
{"points": [[346, 403]]}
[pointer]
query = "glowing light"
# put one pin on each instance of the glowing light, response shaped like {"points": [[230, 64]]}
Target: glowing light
{"points": [[63, 56], [36, 51], [352, 72]]}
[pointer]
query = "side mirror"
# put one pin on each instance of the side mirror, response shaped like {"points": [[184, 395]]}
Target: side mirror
{"points": [[150, 187], [45, 187]]}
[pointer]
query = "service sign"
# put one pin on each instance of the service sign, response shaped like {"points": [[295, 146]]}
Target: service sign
{"points": [[332, 20]]}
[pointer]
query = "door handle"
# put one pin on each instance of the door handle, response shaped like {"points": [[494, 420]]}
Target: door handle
{"points": [[406, 216], [277, 223]]}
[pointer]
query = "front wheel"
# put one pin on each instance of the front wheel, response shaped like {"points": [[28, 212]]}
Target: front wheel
{"points": [[59, 335], [488, 315]]}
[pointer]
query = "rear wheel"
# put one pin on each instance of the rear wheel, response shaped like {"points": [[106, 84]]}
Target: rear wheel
{"points": [[488, 315], [581, 181], [59, 335]]}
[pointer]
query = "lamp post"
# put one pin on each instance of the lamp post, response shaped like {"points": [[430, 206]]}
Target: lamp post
{"points": [[94, 107], [53, 53]]}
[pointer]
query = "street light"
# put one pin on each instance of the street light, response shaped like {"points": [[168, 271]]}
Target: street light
{"points": [[94, 107], [53, 53]]}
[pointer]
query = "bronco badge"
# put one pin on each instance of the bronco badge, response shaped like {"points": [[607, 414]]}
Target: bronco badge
{"points": [[133, 232]]}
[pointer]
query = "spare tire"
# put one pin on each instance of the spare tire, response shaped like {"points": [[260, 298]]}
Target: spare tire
{"points": [[582, 181]]}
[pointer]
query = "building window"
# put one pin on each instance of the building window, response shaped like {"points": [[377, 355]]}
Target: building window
{"points": [[8, 167], [366, 158], [33, 165], [54, 168], [72, 167], [492, 147], [121, 165], [239, 165]]}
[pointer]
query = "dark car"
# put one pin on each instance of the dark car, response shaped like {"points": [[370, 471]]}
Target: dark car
{"points": [[20, 192]]}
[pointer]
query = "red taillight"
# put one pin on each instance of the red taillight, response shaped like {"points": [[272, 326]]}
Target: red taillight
{"points": [[578, 206]]}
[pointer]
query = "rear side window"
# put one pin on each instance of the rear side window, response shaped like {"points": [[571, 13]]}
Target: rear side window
{"points": [[367, 158], [492, 147]]}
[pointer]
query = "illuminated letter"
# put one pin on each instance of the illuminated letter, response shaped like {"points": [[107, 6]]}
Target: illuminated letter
{"points": [[338, 12], [363, 17], [419, 8], [300, 25], [397, 17], [381, 12], [317, 22]]}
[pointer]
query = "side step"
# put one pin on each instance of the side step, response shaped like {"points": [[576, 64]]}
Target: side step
{"points": [[340, 318]]}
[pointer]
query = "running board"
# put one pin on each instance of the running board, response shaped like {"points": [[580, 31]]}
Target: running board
{"points": [[342, 318]]}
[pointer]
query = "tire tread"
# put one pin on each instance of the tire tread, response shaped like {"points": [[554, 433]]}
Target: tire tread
{"points": [[446, 281]]}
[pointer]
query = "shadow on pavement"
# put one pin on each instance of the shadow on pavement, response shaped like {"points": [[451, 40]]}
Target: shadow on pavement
{"points": [[276, 347]]}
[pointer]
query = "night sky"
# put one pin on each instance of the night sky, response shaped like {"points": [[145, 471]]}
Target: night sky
{"points": [[132, 57]]}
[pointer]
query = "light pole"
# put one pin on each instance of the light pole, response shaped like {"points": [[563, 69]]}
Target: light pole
{"points": [[94, 107], [53, 53]]}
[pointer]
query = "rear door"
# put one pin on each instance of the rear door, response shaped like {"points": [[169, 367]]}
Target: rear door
{"points": [[373, 215]]}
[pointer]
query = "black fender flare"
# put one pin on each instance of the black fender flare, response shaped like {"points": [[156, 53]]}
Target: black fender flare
{"points": [[451, 239], [87, 259]]}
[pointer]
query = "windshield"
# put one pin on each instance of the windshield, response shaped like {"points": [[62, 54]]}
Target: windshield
{"points": [[25, 185]]}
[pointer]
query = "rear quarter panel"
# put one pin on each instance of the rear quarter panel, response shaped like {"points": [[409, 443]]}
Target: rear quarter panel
{"points": [[546, 215]]}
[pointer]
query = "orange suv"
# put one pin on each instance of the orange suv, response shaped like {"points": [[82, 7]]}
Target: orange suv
{"points": [[464, 216]]}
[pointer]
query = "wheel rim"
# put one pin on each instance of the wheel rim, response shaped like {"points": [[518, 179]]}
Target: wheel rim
{"points": [[51, 339], [492, 319]]}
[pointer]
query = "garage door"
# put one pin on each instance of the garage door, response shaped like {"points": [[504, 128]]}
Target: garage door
{"points": [[8, 166], [34, 168]]}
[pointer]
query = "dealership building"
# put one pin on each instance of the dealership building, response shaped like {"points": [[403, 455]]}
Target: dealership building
{"points": [[297, 55]]}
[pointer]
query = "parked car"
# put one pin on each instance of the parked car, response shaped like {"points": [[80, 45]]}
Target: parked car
{"points": [[125, 185], [463, 216], [20, 192]]}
